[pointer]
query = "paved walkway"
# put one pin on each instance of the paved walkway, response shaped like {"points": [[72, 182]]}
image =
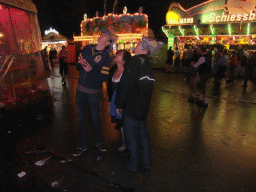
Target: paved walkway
{"points": [[193, 149]]}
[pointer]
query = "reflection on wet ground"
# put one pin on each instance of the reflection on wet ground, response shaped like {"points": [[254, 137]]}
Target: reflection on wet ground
{"points": [[193, 149]]}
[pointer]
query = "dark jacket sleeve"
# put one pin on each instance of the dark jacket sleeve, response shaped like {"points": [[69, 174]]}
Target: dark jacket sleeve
{"points": [[128, 81], [109, 87]]}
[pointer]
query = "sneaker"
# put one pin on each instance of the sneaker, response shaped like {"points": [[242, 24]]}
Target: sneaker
{"points": [[191, 99], [204, 105], [101, 147], [79, 151], [122, 148], [199, 102]]}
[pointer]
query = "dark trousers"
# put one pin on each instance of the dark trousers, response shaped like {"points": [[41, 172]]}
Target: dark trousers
{"points": [[202, 82], [51, 61], [63, 67], [232, 73], [249, 76], [136, 137], [221, 73], [91, 101]]}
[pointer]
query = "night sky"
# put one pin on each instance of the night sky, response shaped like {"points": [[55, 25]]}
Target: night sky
{"points": [[66, 16]]}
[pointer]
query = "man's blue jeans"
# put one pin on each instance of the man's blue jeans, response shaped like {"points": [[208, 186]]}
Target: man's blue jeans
{"points": [[91, 101], [136, 137]]}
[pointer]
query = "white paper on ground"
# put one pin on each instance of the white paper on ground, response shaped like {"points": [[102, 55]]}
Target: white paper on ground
{"points": [[22, 174], [55, 184], [42, 162]]}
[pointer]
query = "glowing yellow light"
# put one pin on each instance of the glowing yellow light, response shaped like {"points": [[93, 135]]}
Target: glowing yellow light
{"points": [[172, 17], [1, 35], [125, 10]]}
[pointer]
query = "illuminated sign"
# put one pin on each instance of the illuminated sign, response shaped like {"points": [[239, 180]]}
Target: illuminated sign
{"points": [[51, 30], [173, 18], [227, 18], [180, 21], [186, 20]]}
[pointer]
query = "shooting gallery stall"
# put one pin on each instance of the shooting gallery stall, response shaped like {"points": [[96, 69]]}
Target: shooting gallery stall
{"points": [[227, 22]]}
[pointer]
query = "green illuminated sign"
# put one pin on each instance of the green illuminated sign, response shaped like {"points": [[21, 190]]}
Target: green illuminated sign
{"points": [[223, 17]]}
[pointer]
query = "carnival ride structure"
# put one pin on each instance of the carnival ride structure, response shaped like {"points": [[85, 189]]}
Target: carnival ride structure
{"points": [[23, 70]]}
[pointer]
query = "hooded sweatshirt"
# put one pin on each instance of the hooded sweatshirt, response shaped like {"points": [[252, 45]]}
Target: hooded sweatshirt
{"points": [[136, 88]]}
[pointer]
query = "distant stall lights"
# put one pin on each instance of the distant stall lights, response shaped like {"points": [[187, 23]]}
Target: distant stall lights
{"points": [[51, 30], [53, 39], [128, 27], [125, 10]]}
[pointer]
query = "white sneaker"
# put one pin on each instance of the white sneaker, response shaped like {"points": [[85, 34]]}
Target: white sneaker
{"points": [[122, 148], [79, 151]]}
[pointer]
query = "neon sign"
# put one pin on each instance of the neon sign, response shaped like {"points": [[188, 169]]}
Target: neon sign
{"points": [[227, 18], [51, 30], [180, 21]]}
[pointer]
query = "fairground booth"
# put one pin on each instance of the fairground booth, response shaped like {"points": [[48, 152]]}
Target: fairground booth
{"points": [[53, 39], [227, 22], [128, 27], [23, 72]]}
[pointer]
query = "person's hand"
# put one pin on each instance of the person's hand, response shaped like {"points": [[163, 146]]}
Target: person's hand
{"points": [[87, 67], [118, 111], [82, 61], [192, 63]]}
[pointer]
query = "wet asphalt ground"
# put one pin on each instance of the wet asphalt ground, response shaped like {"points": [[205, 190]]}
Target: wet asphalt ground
{"points": [[193, 149]]}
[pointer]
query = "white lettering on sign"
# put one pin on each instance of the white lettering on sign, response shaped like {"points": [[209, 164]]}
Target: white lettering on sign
{"points": [[180, 21], [51, 30], [226, 18]]}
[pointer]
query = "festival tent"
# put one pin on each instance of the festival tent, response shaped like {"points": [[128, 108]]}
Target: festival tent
{"points": [[23, 72]]}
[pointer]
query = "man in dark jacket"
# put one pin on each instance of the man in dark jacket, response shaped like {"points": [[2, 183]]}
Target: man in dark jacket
{"points": [[133, 98]]}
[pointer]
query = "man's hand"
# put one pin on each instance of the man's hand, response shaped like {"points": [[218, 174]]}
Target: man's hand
{"points": [[87, 67], [118, 111]]}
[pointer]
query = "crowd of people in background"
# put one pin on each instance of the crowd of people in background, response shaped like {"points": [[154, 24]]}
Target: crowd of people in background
{"points": [[51, 57], [222, 64]]}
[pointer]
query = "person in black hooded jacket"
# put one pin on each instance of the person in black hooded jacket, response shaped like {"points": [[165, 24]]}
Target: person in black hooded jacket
{"points": [[133, 98]]}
